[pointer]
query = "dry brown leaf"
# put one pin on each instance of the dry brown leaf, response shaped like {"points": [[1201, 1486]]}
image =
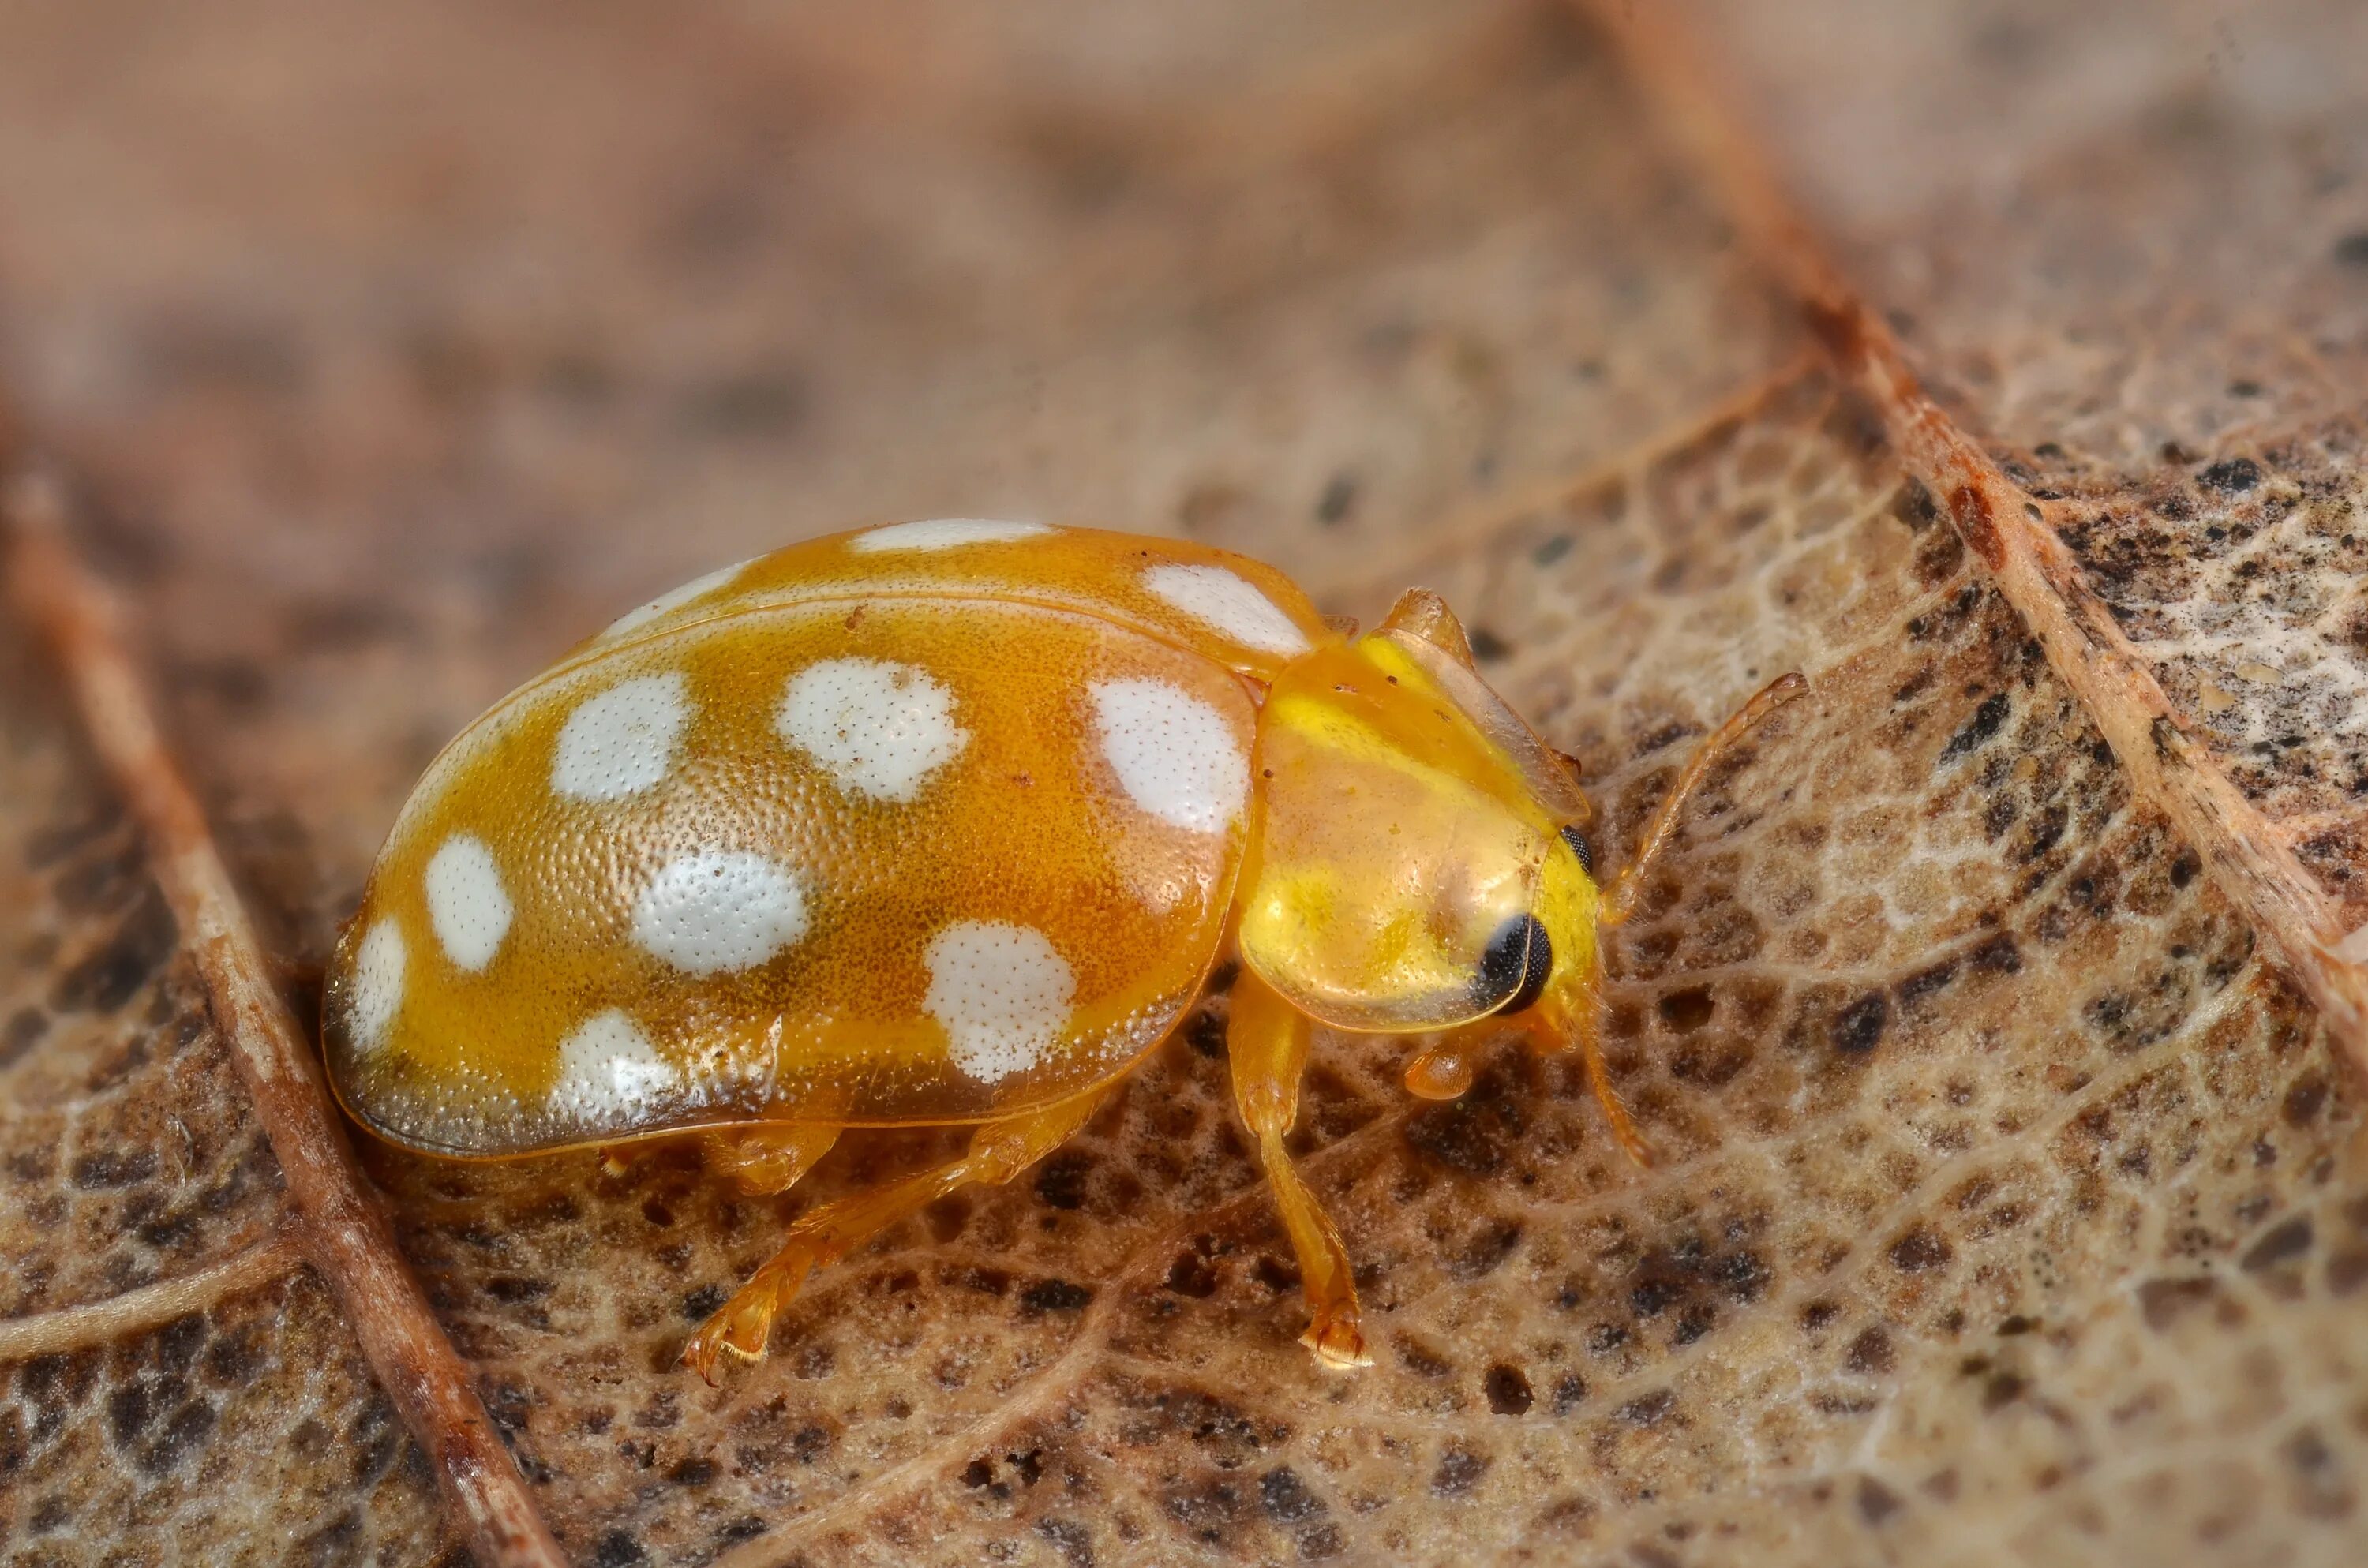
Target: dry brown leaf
{"points": [[2009, 1204]]}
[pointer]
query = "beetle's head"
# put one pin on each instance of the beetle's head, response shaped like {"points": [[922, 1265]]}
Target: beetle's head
{"points": [[1415, 859]]}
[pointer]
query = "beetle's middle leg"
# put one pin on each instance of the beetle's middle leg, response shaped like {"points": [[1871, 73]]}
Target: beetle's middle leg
{"points": [[1570, 1015], [999, 1151], [770, 1158], [1566, 1019], [1267, 1041]]}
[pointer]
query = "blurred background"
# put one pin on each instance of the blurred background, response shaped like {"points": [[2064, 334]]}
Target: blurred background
{"points": [[397, 348], [487, 320]]}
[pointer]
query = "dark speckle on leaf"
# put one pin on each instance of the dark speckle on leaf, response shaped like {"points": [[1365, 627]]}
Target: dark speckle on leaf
{"points": [[1061, 1180], [1192, 1273], [1474, 1134], [1071, 1538], [747, 1527], [1339, 499], [1742, 1275], [1920, 1251], [111, 975], [1648, 1409], [2281, 1244], [1459, 1472], [109, 1168], [2234, 477], [184, 1430], [1859, 1027], [1870, 1354], [1508, 1391], [1054, 1296], [1285, 1497], [23, 1031], [1977, 730], [618, 1549], [1876, 1502]]}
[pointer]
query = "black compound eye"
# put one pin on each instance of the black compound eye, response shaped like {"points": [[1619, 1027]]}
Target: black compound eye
{"points": [[1580, 848], [1513, 971]]}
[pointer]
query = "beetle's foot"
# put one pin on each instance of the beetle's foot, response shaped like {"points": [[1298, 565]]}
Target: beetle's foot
{"points": [[1444, 1071], [1624, 1131], [1633, 1144], [1338, 1340], [743, 1327]]}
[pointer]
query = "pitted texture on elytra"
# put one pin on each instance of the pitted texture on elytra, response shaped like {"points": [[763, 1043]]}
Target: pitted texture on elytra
{"points": [[1003, 994], [1861, 1231], [610, 1076], [1175, 755], [720, 910], [623, 742], [1217, 597], [839, 901], [468, 907], [379, 966], [880, 728]]}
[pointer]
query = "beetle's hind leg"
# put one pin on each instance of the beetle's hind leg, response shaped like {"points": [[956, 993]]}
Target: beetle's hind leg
{"points": [[764, 1160], [1266, 1042], [999, 1151]]}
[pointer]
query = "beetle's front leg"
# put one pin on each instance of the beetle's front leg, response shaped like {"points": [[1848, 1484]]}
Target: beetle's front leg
{"points": [[1266, 1042]]}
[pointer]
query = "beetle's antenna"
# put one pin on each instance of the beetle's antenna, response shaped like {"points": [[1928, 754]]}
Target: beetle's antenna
{"points": [[1620, 899]]}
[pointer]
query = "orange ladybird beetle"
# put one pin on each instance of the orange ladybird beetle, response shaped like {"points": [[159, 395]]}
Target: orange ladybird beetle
{"points": [[951, 822]]}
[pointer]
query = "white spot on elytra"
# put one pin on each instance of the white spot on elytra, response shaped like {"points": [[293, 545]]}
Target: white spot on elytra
{"points": [[1229, 602], [943, 533], [609, 1072], [621, 741], [1002, 993], [377, 994], [720, 910], [1173, 753], [466, 902], [673, 599], [880, 729]]}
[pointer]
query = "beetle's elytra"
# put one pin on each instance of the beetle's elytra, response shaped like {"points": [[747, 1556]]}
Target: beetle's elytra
{"points": [[948, 823]]}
